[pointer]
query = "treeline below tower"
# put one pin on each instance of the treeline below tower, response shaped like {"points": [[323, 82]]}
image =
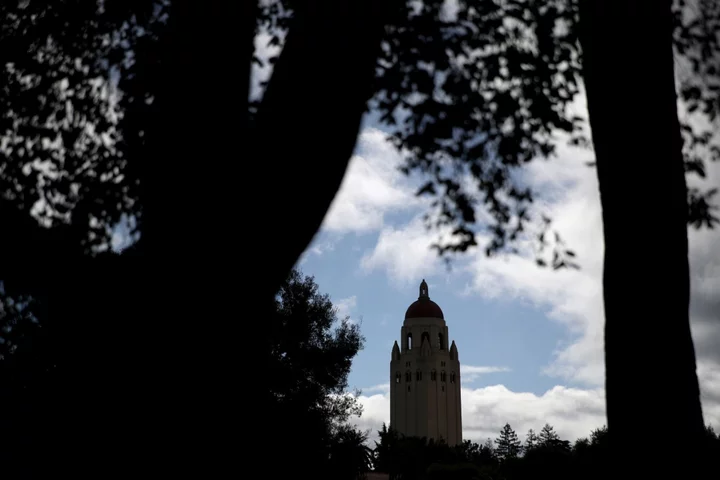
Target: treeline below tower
{"points": [[544, 454]]}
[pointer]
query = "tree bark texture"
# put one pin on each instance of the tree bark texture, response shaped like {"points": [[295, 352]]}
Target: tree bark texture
{"points": [[307, 125], [651, 381]]}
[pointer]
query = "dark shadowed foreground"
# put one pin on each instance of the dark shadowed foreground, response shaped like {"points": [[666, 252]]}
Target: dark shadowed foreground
{"points": [[125, 113]]}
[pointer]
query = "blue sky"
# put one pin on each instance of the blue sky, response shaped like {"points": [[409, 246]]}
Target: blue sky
{"points": [[510, 320], [512, 336], [530, 340], [488, 332]]}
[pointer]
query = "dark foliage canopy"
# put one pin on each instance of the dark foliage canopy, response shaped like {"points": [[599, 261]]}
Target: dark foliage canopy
{"points": [[64, 138], [470, 91], [473, 90], [310, 352]]}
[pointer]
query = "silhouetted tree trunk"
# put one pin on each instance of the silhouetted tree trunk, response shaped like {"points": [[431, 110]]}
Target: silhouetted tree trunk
{"points": [[303, 137], [307, 125], [651, 380], [148, 351], [293, 168], [146, 343], [201, 320]]}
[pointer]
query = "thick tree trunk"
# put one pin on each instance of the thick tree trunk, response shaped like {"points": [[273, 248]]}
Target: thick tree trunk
{"points": [[651, 381], [302, 139], [307, 127], [199, 319], [147, 343], [150, 376], [222, 232]]}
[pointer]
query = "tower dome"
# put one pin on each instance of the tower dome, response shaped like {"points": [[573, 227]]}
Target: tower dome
{"points": [[423, 307]]}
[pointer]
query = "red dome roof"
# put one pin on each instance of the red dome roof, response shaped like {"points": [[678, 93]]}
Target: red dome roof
{"points": [[424, 308]]}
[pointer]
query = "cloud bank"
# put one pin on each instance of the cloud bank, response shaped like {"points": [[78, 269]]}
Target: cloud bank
{"points": [[373, 189]]}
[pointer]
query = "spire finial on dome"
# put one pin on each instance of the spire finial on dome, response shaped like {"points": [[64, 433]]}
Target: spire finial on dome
{"points": [[424, 291]]}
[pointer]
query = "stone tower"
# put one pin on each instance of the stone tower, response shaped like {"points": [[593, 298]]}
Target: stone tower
{"points": [[425, 376]]}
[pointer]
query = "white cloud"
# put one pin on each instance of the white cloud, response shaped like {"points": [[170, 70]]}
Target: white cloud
{"points": [[573, 298], [705, 283], [259, 74], [121, 237], [119, 240], [372, 187], [404, 253], [449, 10], [573, 412], [321, 248], [705, 312], [709, 376], [345, 306], [470, 373], [318, 247], [382, 388]]}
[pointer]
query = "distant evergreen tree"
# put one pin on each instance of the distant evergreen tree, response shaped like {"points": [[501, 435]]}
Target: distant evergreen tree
{"points": [[549, 439], [531, 440], [487, 454], [548, 456], [508, 444], [581, 445], [469, 451], [348, 455], [598, 436], [383, 457], [488, 445]]}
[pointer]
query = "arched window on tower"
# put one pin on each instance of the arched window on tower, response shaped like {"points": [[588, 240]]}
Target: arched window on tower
{"points": [[408, 376], [423, 337], [433, 375], [418, 376], [452, 377], [443, 377], [441, 341], [409, 341], [398, 377]]}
